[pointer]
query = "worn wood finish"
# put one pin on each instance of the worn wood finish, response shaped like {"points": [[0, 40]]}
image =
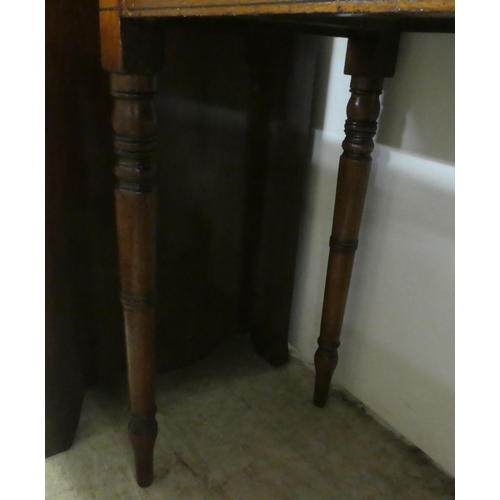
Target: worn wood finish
{"points": [[164, 8], [198, 290], [132, 52], [134, 127], [369, 59]]}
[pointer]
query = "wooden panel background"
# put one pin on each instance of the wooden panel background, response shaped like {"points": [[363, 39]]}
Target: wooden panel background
{"points": [[210, 153]]}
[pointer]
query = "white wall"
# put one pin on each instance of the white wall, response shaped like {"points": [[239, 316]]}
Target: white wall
{"points": [[397, 352]]}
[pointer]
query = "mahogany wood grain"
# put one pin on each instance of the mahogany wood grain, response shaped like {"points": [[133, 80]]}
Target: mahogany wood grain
{"points": [[164, 8], [369, 59], [134, 127]]}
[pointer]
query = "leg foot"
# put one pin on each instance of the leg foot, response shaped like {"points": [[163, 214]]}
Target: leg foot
{"points": [[142, 431], [325, 362]]}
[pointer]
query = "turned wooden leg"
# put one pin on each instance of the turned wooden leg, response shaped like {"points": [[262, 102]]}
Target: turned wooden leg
{"points": [[369, 59], [134, 127]]}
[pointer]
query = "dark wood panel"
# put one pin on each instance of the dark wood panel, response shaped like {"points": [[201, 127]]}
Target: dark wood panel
{"points": [[71, 75]]}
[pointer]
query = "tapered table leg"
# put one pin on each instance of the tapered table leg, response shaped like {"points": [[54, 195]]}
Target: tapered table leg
{"points": [[134, 127], [369, 59]]}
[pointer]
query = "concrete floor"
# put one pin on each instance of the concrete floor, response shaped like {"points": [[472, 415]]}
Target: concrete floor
{"points": [[232, 427]]}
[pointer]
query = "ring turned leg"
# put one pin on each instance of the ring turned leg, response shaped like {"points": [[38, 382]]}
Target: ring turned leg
{"points": [[369, 59], [134, 127]]}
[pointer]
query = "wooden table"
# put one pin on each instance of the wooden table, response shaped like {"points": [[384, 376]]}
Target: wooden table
{"points": [[131, 51]]}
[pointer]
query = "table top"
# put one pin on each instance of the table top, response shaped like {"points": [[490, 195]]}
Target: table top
{"points": [[176, 8]]}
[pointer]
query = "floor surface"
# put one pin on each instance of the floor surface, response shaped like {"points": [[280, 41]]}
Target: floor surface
{"points": [[233, 427]]}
